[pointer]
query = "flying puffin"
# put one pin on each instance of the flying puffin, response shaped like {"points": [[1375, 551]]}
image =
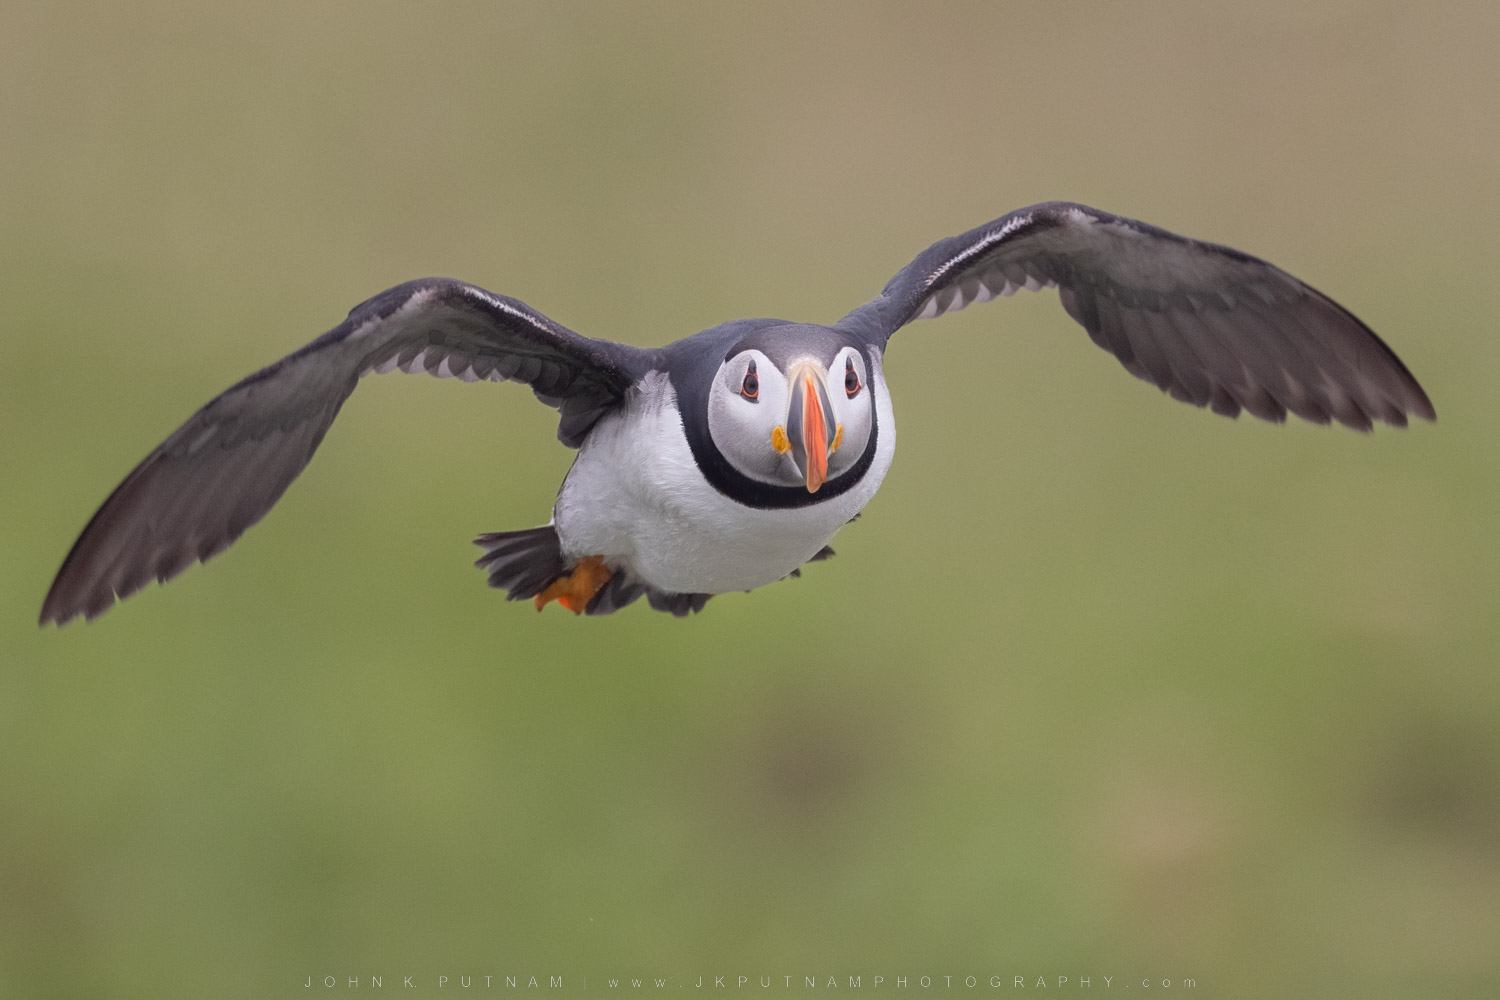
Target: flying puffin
{"points": [[727, 460]]}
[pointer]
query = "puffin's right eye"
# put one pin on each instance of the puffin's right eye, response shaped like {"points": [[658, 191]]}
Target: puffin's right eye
{"points": [[750, 388]]}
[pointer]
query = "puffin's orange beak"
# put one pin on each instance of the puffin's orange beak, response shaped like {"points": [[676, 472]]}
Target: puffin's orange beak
{"points": [[809, 424], [814, 434]]}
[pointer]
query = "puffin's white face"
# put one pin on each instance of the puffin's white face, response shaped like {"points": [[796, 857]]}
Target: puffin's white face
{"points": [[800, 427]]}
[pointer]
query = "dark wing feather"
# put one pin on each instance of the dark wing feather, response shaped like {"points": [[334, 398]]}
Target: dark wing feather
{"points": [[221, 471], [1205, 323]]}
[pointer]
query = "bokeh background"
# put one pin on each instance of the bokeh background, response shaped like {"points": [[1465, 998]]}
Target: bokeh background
{"points": [[1099, 686]]}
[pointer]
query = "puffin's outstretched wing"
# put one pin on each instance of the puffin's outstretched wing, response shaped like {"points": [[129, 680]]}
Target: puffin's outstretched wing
{"points": [[221, 471], [1210, 325]]}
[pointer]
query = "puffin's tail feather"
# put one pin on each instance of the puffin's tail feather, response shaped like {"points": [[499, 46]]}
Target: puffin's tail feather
{"points": [[523, 563]]}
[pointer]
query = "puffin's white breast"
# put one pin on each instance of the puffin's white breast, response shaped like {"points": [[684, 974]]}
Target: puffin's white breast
{"points": [[636, 496]]}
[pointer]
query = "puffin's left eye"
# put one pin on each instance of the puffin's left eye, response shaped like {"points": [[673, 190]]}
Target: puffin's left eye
{"points": [[851, 378]]}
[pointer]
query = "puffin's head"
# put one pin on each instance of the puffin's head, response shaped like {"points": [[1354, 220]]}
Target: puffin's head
{"points": [[790, 408]]}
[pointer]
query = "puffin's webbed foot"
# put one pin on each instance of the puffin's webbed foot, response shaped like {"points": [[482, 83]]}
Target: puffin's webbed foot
{"points": [[577, 588]]}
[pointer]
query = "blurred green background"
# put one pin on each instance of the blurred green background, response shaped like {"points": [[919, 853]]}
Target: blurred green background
{"points": [[1101, 685]]}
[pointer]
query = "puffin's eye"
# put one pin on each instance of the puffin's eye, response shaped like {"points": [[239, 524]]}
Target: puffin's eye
{"points": [[851, 378], [750, 388]]}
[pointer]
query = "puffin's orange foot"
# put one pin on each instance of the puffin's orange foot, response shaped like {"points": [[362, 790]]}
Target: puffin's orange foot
{"points": [[575, 590]]}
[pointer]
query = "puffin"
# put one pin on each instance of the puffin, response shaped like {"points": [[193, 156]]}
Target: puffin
{"points": [[729, 459]]}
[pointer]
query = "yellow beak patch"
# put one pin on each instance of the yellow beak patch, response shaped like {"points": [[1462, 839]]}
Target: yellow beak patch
{"points": [[779, 440]]}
